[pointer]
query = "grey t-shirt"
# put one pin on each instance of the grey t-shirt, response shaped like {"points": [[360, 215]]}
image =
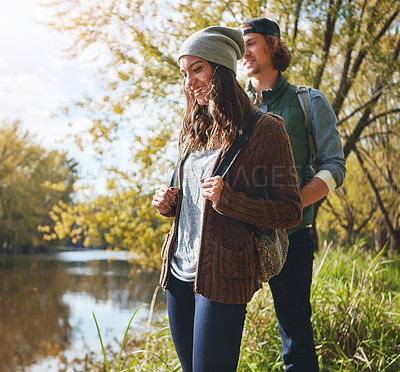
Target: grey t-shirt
{"points": [[197, 165]]}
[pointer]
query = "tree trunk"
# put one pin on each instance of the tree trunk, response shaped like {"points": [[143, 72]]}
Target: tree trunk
{"points": [[380, 234], [395, 236], [394, 242]]}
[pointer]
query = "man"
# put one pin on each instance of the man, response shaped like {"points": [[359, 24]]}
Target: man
{"points": [[265, 59]]}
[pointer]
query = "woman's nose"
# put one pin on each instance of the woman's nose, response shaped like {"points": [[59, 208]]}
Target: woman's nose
{"points": [[189, 81]]}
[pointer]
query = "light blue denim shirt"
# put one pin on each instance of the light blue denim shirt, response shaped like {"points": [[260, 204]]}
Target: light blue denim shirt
{"points": [[328, 145]]}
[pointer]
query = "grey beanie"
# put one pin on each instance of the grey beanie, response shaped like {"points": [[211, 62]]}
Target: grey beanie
{"points": [[221, 45]]}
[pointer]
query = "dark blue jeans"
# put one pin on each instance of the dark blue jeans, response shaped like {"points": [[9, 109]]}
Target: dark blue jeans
{"points": [[206, 334], [291, 292]]}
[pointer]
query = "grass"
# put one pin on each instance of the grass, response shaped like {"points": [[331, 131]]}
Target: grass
{"points": [[120, 364], [356, 320], [356, 316]]}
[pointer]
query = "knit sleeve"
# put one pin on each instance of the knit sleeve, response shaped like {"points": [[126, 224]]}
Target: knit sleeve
{"points": [[283, 208]]}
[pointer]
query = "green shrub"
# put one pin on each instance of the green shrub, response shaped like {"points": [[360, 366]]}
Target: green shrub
{"points": [[356, 316]]}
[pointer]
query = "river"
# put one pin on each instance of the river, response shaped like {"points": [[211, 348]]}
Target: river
{"points": [[47, 300]]}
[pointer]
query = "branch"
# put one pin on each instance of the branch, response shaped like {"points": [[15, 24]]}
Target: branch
{"points": [[352, 140], [391, 181], [347, 81], [378, 92], [328, 35], [385, 134], [397, 50], [350, 47], [385, 172], [366, 220], [338, 218], [299, 3], [385, 213], [362, 123], [393, 111], [363, 51]]}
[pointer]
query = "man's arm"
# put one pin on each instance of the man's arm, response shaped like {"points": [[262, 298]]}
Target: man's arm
{"points": [[314, 191], [331, 164]]}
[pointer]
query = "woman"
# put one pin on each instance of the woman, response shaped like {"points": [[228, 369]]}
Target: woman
{"points": [[209, 268]]}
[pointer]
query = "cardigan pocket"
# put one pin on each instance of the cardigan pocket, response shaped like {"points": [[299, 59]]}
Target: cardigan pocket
{"points": [[236, 264]]}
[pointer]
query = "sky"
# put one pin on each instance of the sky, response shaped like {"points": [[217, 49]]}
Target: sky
{"points": [[37, 80]]}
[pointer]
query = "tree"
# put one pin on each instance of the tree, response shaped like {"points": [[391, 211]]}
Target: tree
{"points": [[348, 49], [347, 215], [32, 179], [122, 219]]}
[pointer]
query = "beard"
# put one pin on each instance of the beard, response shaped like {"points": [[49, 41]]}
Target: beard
{"points": [[259, 64], [256, 68]]}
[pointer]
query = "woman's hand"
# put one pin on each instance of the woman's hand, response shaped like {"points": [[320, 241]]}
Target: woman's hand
{"points": [[212, 188], [165, 198]]}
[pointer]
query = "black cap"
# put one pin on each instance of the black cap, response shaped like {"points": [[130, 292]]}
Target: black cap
{"points": [[262, 26]]}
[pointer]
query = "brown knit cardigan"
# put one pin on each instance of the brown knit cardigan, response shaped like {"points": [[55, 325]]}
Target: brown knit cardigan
{"points": [[226, 268]]}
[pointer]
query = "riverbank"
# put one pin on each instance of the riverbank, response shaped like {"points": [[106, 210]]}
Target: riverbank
{"points": [[356, 320]]}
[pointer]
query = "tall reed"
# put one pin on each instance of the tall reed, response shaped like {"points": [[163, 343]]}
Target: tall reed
{"points": [[356, 318]]}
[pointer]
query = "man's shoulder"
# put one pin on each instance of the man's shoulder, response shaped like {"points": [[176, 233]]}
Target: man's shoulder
{"points": [[317, 98], [304, 88], [319, 101], [314, 93]]}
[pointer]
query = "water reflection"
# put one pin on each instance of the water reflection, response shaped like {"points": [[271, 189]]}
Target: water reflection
{"points": [[46, 305]]}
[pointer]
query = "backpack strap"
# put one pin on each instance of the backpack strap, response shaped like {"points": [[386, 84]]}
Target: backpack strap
{"points": [[236, 147], [303, 94], [230, 155]]}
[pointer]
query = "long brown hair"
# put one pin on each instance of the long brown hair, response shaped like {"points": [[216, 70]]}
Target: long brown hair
{"points": [[227, 112]]}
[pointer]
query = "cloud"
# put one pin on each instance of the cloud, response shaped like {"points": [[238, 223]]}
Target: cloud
{"points": [[34, 81], [37, 80]]}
